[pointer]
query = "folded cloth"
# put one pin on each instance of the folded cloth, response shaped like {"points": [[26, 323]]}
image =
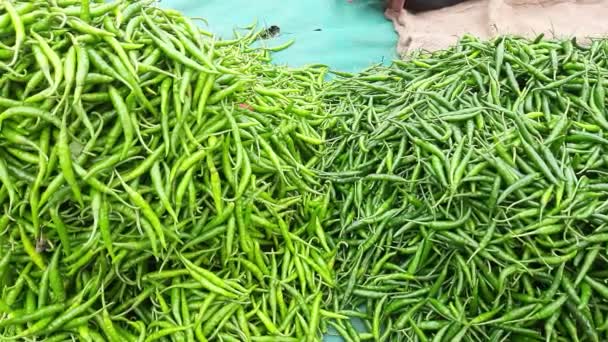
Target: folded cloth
{"points": [[438, 29]]}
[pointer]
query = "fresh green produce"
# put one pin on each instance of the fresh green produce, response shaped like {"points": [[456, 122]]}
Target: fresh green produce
{"points": [[470, 193], [160, 184], [156, 182]]}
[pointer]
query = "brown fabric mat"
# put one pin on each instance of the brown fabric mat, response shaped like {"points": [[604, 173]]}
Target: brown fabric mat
{"points": [[441, 28]]}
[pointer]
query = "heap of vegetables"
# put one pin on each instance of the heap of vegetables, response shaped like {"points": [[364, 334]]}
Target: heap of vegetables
{"points": [[160, 184], [155, 181], [470, 191]]}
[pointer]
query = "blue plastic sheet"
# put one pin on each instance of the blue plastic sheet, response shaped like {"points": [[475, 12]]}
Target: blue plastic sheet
{"points": [[345, 35]]}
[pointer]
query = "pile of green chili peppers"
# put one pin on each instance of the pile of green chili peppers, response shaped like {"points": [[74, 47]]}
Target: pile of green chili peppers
{"points": [[470, 193], [156, 183], [160, 184]]}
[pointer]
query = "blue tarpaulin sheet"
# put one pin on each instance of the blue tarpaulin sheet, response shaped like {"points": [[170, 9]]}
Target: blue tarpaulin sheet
{"points": [[347, 35]]}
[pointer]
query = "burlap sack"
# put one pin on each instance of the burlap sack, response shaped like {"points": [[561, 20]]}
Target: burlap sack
{"points": [[439, 29]]}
